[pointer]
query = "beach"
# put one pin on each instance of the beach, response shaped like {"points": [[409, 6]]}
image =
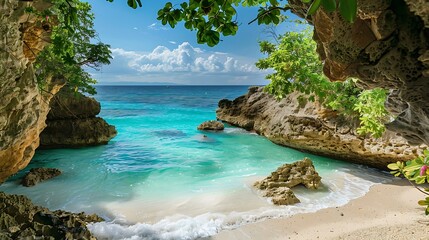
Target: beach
{"points": [[387, 211]]}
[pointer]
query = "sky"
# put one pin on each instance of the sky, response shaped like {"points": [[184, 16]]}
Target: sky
{"points": [[146, 52]]}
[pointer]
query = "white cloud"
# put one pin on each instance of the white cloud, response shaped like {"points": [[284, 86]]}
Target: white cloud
{"points": [[135, 28], [156, 27], [183, 58], [172, 42]]}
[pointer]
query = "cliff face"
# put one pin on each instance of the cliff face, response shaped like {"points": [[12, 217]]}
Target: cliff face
{"points": [[388, 47], [72, 122], [23, 106], [309, 127]]}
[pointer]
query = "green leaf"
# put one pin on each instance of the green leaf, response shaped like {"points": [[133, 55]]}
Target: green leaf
{"points": [[313, 7], [348, 9], [132, 3], [393, 166], [329, 5], [423, 203]]}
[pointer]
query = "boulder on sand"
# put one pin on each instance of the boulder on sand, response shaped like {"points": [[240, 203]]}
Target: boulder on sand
{"points": [[287, 176]]}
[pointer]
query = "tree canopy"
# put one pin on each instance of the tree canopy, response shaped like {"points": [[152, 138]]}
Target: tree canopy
{"points": [[213, 18], [72, 46]]}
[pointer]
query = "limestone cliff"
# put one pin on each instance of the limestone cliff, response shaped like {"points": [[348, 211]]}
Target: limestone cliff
{"points": [[23, 106], [387, 46], [309, 127], [72, 122]]}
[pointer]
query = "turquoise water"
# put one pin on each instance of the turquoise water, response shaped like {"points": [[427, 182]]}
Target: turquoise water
{"points": [[160, 179]]}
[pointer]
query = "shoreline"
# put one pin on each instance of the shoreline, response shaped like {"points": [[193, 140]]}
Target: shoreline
{"points": [[387, 211]]}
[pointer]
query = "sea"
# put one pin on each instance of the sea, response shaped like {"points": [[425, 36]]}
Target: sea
{"points": [[161, 178]]}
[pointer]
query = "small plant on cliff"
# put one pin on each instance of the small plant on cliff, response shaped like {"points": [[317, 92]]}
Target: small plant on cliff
{"points": [[71, 46], [297, 67], [417, 173]]}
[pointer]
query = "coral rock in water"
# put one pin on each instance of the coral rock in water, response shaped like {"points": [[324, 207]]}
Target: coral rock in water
{"points": [[37, 175], [211, 125]]}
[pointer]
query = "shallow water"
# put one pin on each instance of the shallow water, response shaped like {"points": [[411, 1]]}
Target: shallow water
{"points": [[160, 179]]}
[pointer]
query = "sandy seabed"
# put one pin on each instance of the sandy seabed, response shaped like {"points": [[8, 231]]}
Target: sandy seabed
{"points": [[387, 211]]}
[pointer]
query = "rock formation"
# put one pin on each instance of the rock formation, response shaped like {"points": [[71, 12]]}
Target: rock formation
{"points": [[287, 176], [211, 125], [387, 46], [309, 127], [23, 105], [37, 175], [20, 219], [72, 122]]}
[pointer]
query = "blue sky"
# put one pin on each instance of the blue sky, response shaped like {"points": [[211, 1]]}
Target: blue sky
{"points": [[145, 52]]}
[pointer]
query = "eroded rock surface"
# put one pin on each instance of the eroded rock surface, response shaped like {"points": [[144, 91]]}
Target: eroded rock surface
{"points": [[211, 125], [387, 46], [23, 106], [20, 219], [37, 175], [278, 184], [309, 127], [72, 122]]}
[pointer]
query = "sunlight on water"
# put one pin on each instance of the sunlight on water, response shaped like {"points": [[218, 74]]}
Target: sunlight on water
{"points": [[160, 179]]}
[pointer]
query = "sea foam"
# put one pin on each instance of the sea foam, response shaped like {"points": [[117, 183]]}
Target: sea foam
{"points": [[338, 189]]}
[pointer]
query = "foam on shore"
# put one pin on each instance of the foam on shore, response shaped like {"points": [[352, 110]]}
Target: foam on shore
{"points": [[339, 188]]}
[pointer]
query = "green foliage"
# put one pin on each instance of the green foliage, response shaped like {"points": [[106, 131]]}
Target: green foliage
{"points": [[71, 48], [297, 67], [213, 18], [416, 170], [370, 106]]}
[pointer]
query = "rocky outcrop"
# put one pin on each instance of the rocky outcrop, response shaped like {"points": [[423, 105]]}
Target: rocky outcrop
{"points": [[23, 105], [278, 184], [37, 175], [72, 122], [20, 219], [309, 127], [211, 125], [387, 46]]}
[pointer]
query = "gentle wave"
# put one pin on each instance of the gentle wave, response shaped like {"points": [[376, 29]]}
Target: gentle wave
{"points": [[342, 187]]}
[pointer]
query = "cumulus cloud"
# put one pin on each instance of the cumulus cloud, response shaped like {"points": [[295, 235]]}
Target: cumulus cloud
{"points": [[183, 58]]}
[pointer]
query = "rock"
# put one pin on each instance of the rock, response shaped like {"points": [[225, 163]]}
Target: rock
{"points": [[278, 184], [309, 127], [211, 125], [290, 175], [37, 175], [20, 219], [282, 196], [388, 47], [72, 122], [23, 106]]}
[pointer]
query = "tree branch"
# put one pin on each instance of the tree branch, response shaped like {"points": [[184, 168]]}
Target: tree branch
{"points": [[268, 11]]}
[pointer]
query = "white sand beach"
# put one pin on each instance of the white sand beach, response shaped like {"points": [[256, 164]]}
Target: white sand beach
{"points": [[388, 211]]}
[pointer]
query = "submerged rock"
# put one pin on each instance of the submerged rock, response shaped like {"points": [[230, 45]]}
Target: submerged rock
{"points": [[20, 219], [211, 125], [307, 126], [37, 175], [278, 184], [72, 122]]}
